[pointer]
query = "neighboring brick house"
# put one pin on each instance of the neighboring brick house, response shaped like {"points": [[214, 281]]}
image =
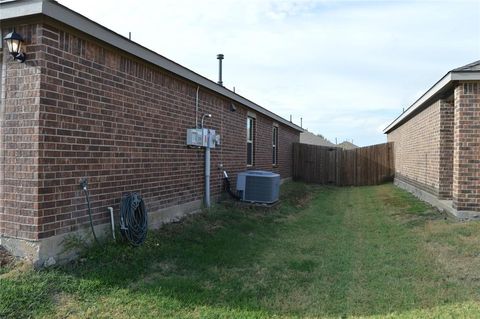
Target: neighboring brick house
{"points": [[88, 102], [313, 139], [437, 143], [346, 145]]}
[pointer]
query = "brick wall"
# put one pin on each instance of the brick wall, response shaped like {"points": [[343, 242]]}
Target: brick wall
{"points": [[438, 150], [466, 177], [19, 140], [417, 149], [79, 108], [446, 149]]}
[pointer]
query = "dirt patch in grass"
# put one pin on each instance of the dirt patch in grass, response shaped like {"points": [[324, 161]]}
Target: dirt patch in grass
{"points": [[460, 266], [298, 194], [157, 271], [453, 245], [456, 246], [16, 269], [407, 209]]}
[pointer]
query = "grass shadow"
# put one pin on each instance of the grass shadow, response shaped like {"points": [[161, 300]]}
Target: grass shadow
{"points": [[324, 252], [205, 258]]}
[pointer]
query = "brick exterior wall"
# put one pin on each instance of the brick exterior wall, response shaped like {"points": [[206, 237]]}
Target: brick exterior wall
{"points": [[438, 150], [80, 108], [19, 140], [466, 177], [417, 149], [446, 149]]}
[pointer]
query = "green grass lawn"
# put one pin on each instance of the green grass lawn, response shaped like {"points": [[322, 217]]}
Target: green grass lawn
{"points": [[323, 253]]}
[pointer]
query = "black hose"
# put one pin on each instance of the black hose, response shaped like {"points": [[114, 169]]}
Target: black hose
{"points": [[228, 188], [84, 184], [133, 219]]}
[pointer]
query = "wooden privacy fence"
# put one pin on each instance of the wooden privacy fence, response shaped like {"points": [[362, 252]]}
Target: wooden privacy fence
{"points": [[371, 165]]}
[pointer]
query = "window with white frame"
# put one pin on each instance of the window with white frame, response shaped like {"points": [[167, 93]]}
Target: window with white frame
{"points": [[275, 145], [250, 140]]}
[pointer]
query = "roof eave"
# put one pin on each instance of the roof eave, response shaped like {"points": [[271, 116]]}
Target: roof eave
{"points": [[16, 9], [54, 10], [434, 91]]}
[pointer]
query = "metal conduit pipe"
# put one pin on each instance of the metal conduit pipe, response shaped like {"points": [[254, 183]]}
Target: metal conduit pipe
{"points": [[196, 107], [207, 165], [207, 177], [220, 58]]}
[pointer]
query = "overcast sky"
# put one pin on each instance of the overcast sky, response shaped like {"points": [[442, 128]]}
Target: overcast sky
{"points": [[347, 67]]}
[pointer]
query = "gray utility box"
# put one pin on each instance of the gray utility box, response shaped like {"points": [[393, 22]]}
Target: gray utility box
{"points": [[258, 186], [202, 137]]}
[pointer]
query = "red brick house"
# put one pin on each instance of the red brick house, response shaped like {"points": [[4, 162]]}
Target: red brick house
{"points": [[88, 102], [437, 143]]}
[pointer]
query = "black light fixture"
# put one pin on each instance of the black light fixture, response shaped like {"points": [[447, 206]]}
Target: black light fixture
{"points": [[15, 46]]}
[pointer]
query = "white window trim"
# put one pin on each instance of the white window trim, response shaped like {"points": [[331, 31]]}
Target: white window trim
{"points": [[251, 140], [275, 145]]}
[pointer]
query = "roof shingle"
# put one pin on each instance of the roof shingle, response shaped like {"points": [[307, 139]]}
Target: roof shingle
{"points": [[474, 66]]}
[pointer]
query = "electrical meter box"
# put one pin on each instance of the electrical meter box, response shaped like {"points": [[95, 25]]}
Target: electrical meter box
{"points": [[201, 137], [195, 137], [212, 141]]}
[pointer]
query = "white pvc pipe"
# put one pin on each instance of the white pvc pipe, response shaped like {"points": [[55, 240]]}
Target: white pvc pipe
{"points": [[112, 221]]}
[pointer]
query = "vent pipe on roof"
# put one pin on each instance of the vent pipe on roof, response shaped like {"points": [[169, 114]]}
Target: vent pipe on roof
{"points": [[220, 58]]}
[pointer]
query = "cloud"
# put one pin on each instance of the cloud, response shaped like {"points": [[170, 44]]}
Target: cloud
{"points": [[346, 67]]}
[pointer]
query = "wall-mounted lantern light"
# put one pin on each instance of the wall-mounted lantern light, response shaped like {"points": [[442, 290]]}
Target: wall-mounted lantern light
{"points": [[15, 46]]}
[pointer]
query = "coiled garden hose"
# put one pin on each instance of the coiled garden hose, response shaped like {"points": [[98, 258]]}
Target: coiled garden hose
{"points": [[133, 219]]}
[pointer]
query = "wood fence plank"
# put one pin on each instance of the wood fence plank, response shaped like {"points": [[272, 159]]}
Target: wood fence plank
{"points": [[369, 165]]}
